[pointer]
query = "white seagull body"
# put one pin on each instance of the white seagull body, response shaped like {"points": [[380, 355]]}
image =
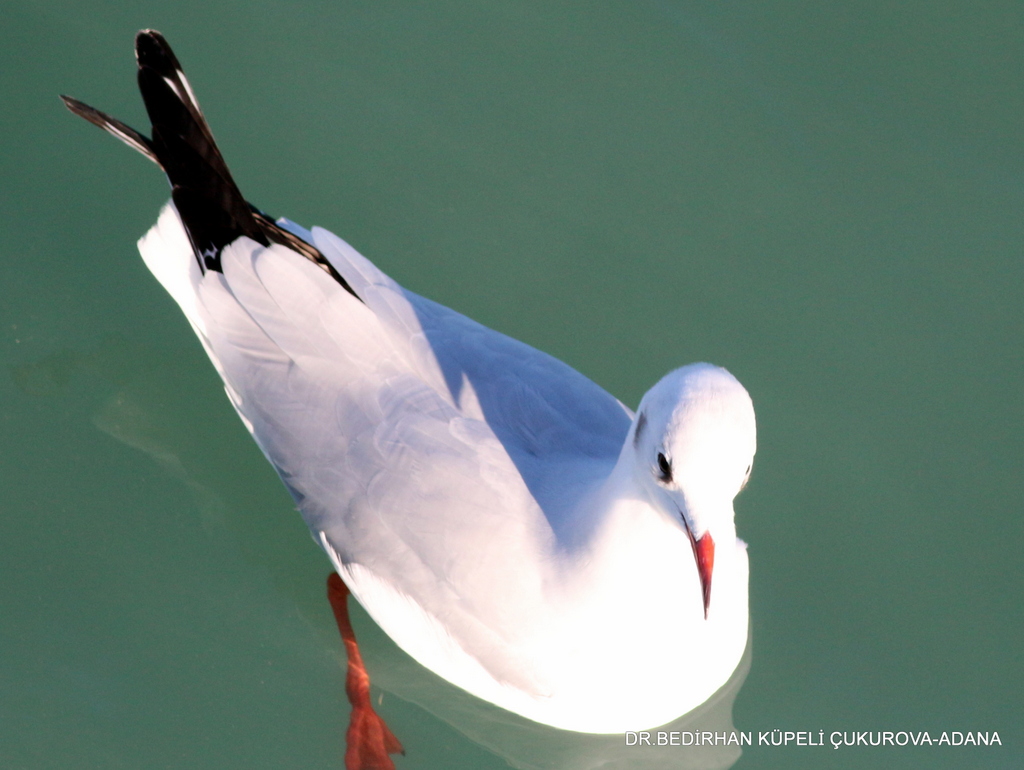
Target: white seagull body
{"points": [[508, 523]]}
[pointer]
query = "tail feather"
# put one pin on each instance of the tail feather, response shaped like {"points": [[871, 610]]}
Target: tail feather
{"points": [[208, 201]]}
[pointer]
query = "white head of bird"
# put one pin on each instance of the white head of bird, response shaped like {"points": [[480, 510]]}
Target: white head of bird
{"points": [[694, 439]]}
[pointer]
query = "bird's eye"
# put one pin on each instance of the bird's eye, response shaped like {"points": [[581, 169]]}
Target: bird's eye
{"points": [[664, 468]]}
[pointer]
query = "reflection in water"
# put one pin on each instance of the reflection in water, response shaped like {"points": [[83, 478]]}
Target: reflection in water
{"points": [[530, 746], [176, 414], [139, 391], [163, 404], [166, 404]]}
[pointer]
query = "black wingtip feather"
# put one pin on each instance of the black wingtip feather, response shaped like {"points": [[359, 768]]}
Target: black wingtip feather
{"points": [[208, 200], [152, 48], [210, 204], [113, 126]]}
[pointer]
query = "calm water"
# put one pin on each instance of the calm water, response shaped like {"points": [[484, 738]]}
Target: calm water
{"points": [[827, 202]]}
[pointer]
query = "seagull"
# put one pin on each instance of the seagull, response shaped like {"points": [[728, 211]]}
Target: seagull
{"points": [[508, 523]]}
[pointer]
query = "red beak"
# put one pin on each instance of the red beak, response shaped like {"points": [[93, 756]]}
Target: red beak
{"points": [[704, 553]]}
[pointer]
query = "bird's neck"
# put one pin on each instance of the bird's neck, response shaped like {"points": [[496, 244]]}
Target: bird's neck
{"points": [[627, 545]]}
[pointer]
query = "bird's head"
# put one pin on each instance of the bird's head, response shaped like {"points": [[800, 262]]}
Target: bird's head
{"points": [[694, 440]]}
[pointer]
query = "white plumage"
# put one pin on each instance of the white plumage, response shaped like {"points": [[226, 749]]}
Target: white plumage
{"points": [[507, 522], [487, 504]]}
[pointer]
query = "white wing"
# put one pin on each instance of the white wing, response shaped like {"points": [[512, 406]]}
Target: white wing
{"points": [[434, 455]]}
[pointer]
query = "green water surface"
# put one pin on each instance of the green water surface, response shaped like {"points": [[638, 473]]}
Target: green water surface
{"points": [[826, 198]]}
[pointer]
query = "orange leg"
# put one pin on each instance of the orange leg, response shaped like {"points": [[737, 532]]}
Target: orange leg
{"points": [[369, 741]]}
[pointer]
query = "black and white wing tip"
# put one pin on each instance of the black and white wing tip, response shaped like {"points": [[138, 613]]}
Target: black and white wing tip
{"points": [[209, 202], [124, 132]]}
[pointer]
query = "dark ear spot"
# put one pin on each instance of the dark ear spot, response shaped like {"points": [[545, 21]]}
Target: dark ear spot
{"points": [[641, 423]]}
